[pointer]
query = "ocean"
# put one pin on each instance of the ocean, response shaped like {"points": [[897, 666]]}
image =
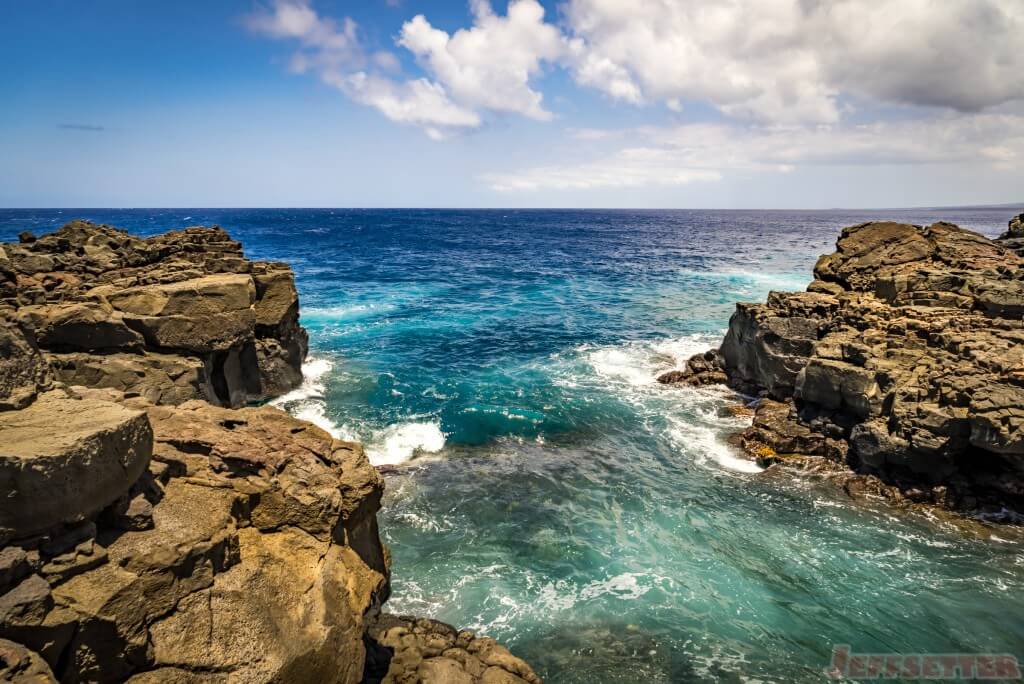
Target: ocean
{"points": [[543, 489]]}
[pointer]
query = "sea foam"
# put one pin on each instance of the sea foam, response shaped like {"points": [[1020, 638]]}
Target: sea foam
{"points": [[691, 416], [399, 443], [390, 445]]}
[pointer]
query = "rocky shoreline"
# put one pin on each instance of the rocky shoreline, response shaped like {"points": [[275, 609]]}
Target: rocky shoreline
{"points": [[156, 525], [898, 374]]}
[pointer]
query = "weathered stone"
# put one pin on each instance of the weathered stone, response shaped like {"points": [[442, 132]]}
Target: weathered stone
{"points": [[701, 369], [90, 288], [905, 360], [416, 650], [23, 371], [19, 665], [160, 378], [55, 476], [80, 326]]}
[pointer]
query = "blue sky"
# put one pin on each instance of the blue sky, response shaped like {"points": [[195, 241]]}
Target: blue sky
{"points": [[578, 103]]}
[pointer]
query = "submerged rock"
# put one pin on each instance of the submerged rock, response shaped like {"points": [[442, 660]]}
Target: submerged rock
{"points": [[903, 361], [406, 649]]}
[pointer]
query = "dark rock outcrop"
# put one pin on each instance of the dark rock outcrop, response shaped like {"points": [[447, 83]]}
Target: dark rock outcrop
{"points": [[904, 361], [174, 317], [151, 533], [1014, 235]]}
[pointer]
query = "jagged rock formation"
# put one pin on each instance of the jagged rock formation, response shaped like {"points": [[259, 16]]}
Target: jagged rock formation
{"points": [[904, 360], [1014, 235], [404, 650], [174, 317], [246, 549], [148, 534]]}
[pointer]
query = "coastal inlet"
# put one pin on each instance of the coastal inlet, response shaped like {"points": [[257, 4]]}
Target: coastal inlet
{"points": [[542, 487]]}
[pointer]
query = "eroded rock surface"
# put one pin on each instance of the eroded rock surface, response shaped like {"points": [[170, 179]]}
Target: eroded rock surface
{"points": [[63, 460], [406, 650], [230, 325], [903, 360], [246, 551]]}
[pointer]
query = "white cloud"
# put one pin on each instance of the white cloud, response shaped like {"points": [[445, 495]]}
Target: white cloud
{"points": [[489, 66], [788, 61], [760, 63], [334, 52], [708, 152], [417, 101]]}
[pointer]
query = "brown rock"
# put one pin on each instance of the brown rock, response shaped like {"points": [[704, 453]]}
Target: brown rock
{"points": [[903, 359], [22, 666], [23, 371], [63, 475]]}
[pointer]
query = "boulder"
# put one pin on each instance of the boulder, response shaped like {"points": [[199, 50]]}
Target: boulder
{"points": [[257, 558], [408, 649], [700, 369], [23, 370], [56, 476], [22, 666]]}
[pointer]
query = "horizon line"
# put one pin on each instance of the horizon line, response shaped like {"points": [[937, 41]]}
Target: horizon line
{"points": [[1001, 205]]}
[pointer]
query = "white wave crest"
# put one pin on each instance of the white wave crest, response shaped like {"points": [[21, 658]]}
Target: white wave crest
{"points": [[693, 423], [704, 441], [640, 363], [398, 443], [306, 402]]}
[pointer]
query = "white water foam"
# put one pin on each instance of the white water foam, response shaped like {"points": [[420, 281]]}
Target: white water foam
{"points": [[388, 446], [693, 422], [341, 312], [398, 443], [306, 402], [640, 363]]}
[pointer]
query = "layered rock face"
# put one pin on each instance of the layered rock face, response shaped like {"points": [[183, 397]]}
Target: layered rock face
{"points": [[233, 545], [904, 360], [151, 533], [174, 317]]}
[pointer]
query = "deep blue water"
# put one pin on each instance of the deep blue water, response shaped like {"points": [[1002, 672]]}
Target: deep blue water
{"points": [[544, 490]]}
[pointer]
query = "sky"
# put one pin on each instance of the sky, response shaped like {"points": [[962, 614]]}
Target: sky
{"points": [[529, 103]]}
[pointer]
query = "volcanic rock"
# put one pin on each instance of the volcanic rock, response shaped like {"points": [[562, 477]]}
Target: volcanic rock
{"points": [[903, 361], [231, 324], [63, 460]]}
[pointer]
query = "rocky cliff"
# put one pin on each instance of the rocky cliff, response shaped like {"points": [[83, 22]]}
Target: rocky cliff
{"points": [[174, 317], [151, 530], [903, 362]]}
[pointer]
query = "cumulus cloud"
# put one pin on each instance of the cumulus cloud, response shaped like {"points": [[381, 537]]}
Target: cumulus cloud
{"points": [[789, 61], [708, 152], [761, 63], [418, 101], [334, 51], [489, 66]]}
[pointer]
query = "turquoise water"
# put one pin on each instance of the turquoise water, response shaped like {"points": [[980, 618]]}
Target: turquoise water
{"points": [[544, 490]]}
